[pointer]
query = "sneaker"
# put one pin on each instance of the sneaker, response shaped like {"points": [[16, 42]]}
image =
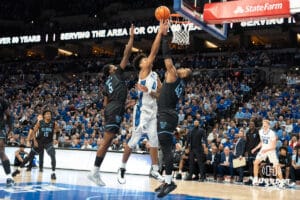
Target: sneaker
{"points": [[53, 176], [9, 182], [28, 169], [281, 184], [255, 182], [178, 176], [157, 176], [159, 188], [188, 178], [121, 175], [96, 178], [292, 184], [15, 173], [167, 188], [41, 170], [249, 182]]}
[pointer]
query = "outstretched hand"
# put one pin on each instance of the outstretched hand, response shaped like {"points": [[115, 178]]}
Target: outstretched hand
{"points": [[164, 27], [131, 30]]}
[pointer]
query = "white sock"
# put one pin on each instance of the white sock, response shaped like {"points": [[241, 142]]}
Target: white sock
{"points": [[8, 176], [96, 169], [155, 167], [168, 179], [123, 165], [255, 179], [180, 172]]}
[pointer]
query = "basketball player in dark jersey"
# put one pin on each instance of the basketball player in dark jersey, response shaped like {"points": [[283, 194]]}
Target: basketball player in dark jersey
{"points": [[47, 129], [115, 95], [5, 119], [20, 155], [30, 144], [171, 91]]}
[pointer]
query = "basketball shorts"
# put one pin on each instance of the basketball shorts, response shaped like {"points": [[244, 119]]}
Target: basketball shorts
{"points": [[144, 122], [167, 121], [270, 154], [113, 115]]}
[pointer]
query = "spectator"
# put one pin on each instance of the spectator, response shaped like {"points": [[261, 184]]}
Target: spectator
{"points": [[238, 153], [284, 162], [20, 155], [212, 161], [195, 144], [226, 165], [86, 145], [295, 168]]}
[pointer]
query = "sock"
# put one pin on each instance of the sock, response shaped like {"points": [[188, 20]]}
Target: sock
{"points": [[8, 176], [96, 169], [155, 167], [6, 166], [180, 172], [168, 179], [123, 165], [98, 161], [255, 179]]}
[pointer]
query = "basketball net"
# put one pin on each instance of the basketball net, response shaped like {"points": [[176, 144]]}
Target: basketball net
{"points": [[180, 29]]}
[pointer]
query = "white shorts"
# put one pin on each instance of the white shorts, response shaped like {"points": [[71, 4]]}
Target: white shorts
{"points": [[144, 122], [270, 154]]}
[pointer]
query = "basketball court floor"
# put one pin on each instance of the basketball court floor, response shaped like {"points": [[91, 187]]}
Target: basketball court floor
{"points": [[72, 184]]}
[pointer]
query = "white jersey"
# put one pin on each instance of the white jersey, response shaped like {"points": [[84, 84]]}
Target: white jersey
{"points": [[145, 112], [267, 138], [144, 98]]}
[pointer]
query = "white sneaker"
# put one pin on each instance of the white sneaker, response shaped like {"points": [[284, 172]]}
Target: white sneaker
{"points": [[255, 181], [96, 178], [292, 184], [121, 175], [281, 184], [156, 175]]}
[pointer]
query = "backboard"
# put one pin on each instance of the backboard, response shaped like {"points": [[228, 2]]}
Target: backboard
{"points": [[193, 11]]}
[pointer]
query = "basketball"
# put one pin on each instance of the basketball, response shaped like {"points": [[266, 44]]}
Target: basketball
{"points": [[162, 13]]}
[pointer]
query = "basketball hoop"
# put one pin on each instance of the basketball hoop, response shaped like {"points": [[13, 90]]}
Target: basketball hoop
{"points": [[180, 27]]}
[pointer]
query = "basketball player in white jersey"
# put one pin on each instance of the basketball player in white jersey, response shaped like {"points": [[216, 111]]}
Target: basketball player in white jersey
{"points": [[267, 148], [145, 109]]}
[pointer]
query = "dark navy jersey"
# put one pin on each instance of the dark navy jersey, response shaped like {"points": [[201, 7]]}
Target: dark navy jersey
{"points": [[22, 154], [170, 94], [115, 87], [3, 108], [46, 131]]}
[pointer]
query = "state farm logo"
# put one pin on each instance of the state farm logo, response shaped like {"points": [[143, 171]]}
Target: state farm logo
{"points": [[239, 10], [258, 8]]}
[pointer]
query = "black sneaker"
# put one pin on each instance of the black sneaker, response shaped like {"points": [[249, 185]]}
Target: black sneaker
{"points": [[41, 169], [121, 175], [167, 189], [159, 188], [179, 176], [15, 173], [28, 169], [9, 182], [249, 182], [53, 176]]}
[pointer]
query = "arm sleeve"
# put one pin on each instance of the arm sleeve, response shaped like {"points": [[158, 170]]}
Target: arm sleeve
{"points": [[165, 48]]}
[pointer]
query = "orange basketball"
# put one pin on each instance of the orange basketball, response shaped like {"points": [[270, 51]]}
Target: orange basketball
{"points": [[162, 13]]}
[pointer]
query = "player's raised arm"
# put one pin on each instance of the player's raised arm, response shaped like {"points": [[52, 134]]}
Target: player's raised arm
{"points": [[163, 28], [171, 73], [128, 48]]}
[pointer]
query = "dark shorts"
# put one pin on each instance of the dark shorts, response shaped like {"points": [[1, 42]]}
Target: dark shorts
{"points": [[167, 121], [113, 115]]}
